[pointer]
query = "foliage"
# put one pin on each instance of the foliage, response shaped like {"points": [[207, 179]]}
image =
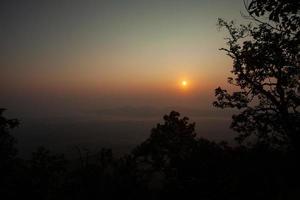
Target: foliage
{"points": [[171, 163], [168, 142], [46, 172], [7, 141], [266, 73]]}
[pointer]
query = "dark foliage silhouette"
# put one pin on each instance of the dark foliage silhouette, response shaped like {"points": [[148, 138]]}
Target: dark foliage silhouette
{"points": [[8, 150], [7, 141], [266, 73], [172, 163], [168, 143], [160, 156], [46, 172]]}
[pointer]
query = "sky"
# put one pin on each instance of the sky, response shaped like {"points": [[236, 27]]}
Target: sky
{"points": [[115, 60]]}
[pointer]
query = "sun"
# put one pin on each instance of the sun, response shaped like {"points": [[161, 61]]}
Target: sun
{"points": [[184, 84]]}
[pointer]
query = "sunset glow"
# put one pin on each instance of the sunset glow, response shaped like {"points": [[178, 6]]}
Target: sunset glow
{"points": [[148, 99], [90, 60], [184, 84]]}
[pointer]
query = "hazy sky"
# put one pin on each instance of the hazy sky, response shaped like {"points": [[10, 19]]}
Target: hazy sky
{"points": [[113, 50], [61, 57]]}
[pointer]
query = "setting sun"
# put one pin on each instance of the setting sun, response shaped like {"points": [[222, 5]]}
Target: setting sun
{"points": [[184, 84]]}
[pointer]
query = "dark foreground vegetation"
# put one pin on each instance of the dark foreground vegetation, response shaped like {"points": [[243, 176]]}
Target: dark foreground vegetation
{"points": [[173, 163]]}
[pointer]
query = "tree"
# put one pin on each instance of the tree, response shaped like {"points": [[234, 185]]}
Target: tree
{"points": [[7, 153], [7, 141], [266, 73], [158, 159], [46, 172], [168, 142]]}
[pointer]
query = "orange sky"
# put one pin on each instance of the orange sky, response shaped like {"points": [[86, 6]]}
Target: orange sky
{"points": [[112, 54]]}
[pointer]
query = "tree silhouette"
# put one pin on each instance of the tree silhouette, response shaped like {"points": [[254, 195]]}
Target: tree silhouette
{"points": [[171, 164], [266, 73], [7, 141], [46, 172], [159, 159], [8, 152], [168, 142]]}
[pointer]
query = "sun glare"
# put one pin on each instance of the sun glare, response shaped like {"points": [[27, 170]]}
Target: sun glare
{"points": [[184, 84]]}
